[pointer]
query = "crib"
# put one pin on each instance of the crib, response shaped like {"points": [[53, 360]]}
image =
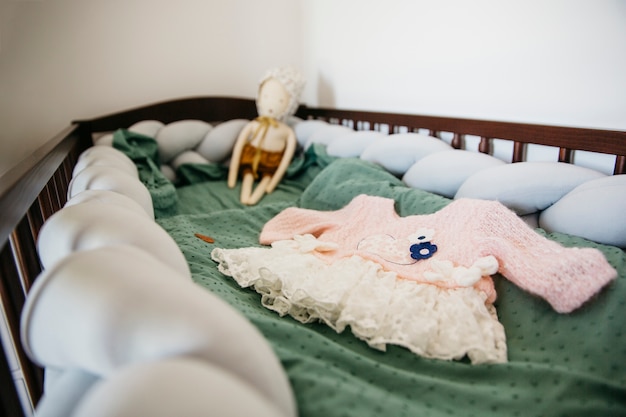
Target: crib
{"points": [[36, 188]]}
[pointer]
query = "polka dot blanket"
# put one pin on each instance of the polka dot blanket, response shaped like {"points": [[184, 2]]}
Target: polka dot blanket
{"points": [[557, 364]]}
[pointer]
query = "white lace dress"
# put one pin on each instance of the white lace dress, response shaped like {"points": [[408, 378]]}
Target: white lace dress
{"points": [[378, 307]]}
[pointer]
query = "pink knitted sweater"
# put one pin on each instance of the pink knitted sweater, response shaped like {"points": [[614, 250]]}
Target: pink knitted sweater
{"points": [[460, 245]]}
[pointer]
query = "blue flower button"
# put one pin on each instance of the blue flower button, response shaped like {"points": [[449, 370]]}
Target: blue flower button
{"points": [[423, 250]]}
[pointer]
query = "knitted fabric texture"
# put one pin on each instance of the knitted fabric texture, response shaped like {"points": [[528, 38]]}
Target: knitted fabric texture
{"points": [[461, 245], [292, 81]]}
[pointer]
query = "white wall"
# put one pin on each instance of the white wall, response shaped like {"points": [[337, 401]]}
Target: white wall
{"points": [[66, 59], [554, 62]]}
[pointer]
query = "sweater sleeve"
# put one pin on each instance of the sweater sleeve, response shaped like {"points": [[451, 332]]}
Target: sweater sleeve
{"points": [[565, 277], [298, 221], [295, 221]]}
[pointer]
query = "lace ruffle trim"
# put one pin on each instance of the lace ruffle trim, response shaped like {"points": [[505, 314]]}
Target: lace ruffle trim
{"points": [[380, 309]]}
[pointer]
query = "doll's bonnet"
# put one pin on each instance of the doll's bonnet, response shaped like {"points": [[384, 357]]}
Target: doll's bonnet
{"points": [[293, 82]]}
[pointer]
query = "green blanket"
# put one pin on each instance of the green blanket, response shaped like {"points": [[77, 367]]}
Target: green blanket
{"points": [[559, 365]]}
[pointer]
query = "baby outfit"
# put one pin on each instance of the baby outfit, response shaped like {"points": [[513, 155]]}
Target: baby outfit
{"points": [[422, 281]]}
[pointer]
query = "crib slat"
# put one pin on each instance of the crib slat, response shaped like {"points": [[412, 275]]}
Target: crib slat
{"points": [[519, 150], [54, 194], [22, 242], [44, 200], [620, 165], [60, 184], [65, 175], [485, 145], [35, 219], [565, 155], [457, 141]]}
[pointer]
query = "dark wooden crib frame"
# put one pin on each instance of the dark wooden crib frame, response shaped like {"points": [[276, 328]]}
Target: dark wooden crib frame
{"points": [[36, 188]]}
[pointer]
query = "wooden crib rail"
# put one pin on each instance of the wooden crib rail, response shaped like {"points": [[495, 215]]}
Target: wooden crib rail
{"points": [[30, 192], [209, 109], [567, 139]]}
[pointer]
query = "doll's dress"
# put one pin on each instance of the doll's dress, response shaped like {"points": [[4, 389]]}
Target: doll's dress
{"points": [[266, 162], [255, 159]]}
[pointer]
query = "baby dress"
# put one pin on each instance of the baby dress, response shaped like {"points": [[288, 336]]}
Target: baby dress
{"points": [[422, 282]]}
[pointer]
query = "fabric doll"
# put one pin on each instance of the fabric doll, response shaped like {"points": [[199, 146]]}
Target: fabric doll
{"points": [[266, 145]]}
